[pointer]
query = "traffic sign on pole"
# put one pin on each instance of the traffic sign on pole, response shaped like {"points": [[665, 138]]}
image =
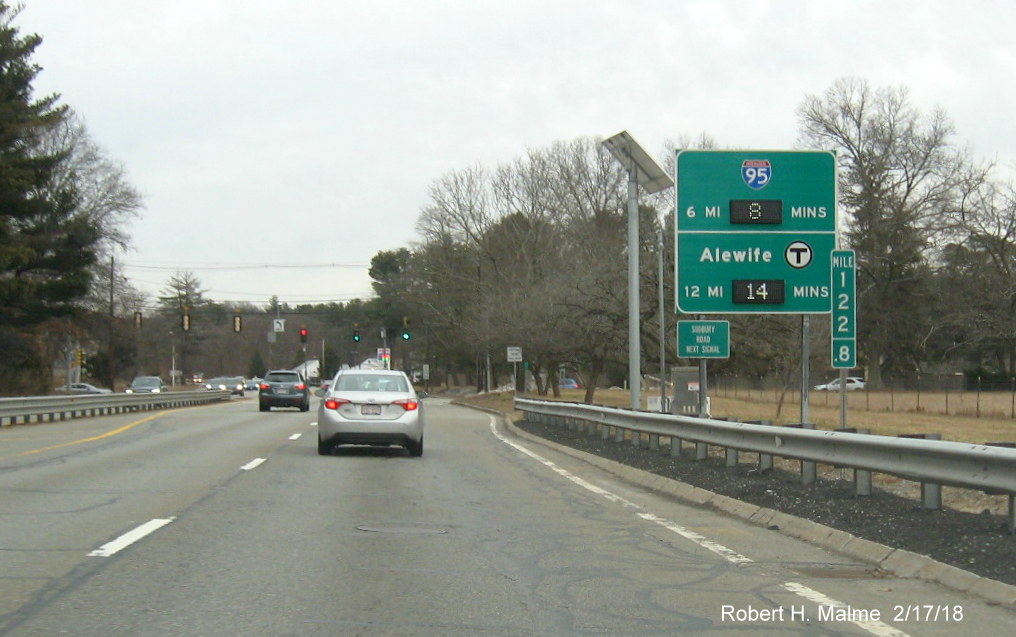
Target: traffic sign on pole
{"points": [[703, 339], [844, 316], [755, 231]]}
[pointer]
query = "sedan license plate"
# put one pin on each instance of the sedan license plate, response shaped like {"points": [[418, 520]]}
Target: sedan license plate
{"points": [[370, 410], [282, 390]]}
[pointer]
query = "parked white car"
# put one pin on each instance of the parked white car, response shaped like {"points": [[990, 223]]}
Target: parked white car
{"points": [[853, 382]]}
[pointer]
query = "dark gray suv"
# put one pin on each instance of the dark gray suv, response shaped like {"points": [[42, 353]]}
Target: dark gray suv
{"points": [[283, 388]]}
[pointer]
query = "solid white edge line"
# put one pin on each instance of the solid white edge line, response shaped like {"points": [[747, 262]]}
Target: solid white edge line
{"points": [[874, 627], [253, 464], [130, 537]]}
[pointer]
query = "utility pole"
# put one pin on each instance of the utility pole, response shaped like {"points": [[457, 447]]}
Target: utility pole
{"points": [[109, 341]]}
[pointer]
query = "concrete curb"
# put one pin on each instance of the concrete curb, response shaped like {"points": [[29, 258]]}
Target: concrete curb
{"points": [[905, 564]]}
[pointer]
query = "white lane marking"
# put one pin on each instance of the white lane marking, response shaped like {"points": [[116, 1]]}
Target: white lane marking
{"points": [[727, 554], [313, 424], [130, 537], [253, 464], [295, 436], [874, 627]]}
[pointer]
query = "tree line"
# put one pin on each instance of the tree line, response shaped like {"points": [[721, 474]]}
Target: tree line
{"points": [[530, 253]]}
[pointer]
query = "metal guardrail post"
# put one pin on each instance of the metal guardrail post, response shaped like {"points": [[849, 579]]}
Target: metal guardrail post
{"points": [[675, 447], [731, 455], [862, 477], [654, 442], [809, 469], [931, 493], [701, 451], [765, 460], [1011, 517]]}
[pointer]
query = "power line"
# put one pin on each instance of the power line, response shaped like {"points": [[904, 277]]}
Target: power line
{"points": [[176, 267]]}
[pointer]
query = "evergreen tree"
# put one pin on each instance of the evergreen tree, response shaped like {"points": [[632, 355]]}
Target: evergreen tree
{"points": [[46, 249]]}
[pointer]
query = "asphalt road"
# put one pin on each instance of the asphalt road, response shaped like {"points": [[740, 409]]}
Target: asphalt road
{"points": [[224, 521]]}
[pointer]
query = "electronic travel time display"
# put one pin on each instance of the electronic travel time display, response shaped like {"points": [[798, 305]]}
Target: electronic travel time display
{"points": [[754, 231], [756, 211]]}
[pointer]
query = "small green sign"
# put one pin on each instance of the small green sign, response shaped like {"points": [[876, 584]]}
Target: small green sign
{"points": [[703, 339], [844, 316]]}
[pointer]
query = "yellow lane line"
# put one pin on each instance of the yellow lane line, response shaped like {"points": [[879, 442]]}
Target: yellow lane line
{"points": [[108, 434]]}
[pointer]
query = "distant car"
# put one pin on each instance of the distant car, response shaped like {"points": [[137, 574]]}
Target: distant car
{"points": [[283, 388], [147, 385], [853, 383], [81, 388], [234, 384], [370, 407], [253, 384], [569, 383]]}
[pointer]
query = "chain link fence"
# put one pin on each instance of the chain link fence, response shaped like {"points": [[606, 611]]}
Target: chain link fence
{"points": [[950, 395]]}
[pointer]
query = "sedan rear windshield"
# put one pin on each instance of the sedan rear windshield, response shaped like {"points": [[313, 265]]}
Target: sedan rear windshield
{"points": [[372, 382], [277, 377]]}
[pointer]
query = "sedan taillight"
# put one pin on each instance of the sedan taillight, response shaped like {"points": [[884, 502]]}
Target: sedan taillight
{"points": [[265, 386], [335, 403], [300, 386], [407, 403]]}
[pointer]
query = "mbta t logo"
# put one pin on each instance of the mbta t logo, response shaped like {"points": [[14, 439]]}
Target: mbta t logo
{"points": [[756, 173]]}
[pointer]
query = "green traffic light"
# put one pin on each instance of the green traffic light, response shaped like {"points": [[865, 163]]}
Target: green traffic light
{"points": [[405, 335]]}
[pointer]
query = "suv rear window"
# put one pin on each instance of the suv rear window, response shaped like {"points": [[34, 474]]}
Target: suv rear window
{"points": [[283, 377]]}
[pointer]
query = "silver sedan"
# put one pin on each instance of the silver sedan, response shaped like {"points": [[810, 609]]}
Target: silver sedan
{"points": [[370, 407]]}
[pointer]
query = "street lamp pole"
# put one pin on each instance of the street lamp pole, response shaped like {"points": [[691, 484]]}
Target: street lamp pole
{"points": [[642, 171]]}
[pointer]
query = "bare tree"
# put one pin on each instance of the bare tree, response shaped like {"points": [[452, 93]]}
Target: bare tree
{"points": [[901, 180]]}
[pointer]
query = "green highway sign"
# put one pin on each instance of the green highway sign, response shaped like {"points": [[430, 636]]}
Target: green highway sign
{"points": [[755, 231], [844, 317], [703, 339]]}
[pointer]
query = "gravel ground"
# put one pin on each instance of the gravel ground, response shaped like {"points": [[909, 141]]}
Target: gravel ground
{"points": [[978, 543]]}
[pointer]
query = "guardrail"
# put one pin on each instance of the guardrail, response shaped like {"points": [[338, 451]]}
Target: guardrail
{"points": [[931, 462], [41, 408]]}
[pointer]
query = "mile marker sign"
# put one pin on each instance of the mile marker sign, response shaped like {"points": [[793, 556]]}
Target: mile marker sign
{"points": [[755, 230], [844, 318]]}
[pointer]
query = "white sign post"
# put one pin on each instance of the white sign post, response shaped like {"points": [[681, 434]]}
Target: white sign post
{"points": [[515, 357]]}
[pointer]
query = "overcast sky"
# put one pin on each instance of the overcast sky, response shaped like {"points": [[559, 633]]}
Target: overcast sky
{"points": [[280, 145]]}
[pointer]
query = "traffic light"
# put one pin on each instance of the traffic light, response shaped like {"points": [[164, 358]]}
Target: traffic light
{"points": [[405, 329], [237, 323], [185, 322], [356, 335], [303, 334], [137, 320]]}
